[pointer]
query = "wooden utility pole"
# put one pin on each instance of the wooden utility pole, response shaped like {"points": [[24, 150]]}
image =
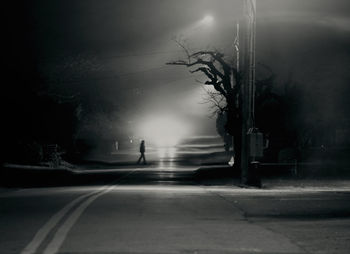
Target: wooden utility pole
{"points": [[248, 88]]}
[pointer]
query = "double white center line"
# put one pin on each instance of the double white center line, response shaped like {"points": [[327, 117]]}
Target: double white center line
{"points": [[63, 230], [80, 205]]}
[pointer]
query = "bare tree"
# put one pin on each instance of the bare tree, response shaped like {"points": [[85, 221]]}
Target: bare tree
{"points": [[216, 101], [226, 81]]}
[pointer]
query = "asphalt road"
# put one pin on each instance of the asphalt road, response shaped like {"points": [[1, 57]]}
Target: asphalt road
{"points": [[162, 209]]}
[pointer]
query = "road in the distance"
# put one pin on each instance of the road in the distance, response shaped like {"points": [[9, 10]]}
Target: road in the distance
{"points": [[163, 210]]}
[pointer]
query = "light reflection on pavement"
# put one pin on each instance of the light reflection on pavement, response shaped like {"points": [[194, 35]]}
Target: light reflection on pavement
{"points": [[166, 156]]}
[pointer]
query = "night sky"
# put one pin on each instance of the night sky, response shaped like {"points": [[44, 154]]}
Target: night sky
{"points": [[112, 54]]}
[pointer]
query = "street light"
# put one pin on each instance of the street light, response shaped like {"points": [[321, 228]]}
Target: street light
{"points": [[207, 20], [196, 31]]}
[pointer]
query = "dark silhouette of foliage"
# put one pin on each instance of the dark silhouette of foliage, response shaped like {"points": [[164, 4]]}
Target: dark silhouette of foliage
{"points": [[226, 80]]}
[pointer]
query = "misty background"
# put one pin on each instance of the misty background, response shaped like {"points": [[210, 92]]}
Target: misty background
{"points": [[82, 70]]}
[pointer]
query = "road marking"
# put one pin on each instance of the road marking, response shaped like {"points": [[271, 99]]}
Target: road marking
{"points": [[60, 235], [53, 221], [62, 232]]}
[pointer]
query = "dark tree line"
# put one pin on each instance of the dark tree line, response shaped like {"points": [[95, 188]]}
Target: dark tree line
{"points": [[32, 119], [280, 116]]}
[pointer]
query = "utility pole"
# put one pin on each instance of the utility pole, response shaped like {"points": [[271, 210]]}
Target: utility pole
{"points": [[251, 15], [248, 87]]}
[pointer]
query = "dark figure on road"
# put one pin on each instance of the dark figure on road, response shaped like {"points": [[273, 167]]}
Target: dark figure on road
{"points": [[142, 151]]}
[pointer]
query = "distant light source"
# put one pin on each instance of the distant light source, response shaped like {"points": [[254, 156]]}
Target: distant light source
{"points": [[164, 131], [207, 20]]}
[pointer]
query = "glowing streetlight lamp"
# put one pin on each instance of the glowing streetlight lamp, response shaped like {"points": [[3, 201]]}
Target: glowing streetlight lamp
{"points": [[197, 27], [207, 20]]}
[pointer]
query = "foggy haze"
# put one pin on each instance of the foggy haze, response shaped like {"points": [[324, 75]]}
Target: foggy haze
{"points": [[112, 55]]}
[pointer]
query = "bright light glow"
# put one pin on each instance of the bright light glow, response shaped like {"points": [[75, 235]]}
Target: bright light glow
{"points": [[164, 131], [207, 20], [166, 153], [166, 156]]}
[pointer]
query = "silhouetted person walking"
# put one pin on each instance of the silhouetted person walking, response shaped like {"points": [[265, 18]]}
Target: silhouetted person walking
{"points": [[142, 151]]}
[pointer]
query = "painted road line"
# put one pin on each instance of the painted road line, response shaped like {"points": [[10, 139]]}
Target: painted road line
{"points": [[62, 232], [44, 231], [53, 221]]}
